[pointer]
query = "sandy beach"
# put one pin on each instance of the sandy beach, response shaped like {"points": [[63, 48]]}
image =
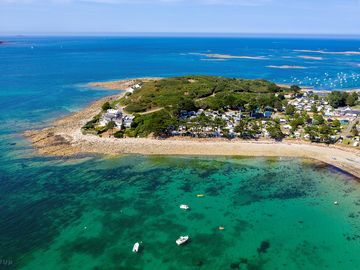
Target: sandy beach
{"points": [[64, 138], [121, 84]]}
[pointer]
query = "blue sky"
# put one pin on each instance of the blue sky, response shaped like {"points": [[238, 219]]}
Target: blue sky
{"points": [[206, 16]]}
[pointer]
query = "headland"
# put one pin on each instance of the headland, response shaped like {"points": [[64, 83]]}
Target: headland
{"points": [[67, 136]]}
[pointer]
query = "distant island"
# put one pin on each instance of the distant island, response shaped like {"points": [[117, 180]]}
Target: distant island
{"points": [[212, 115]]}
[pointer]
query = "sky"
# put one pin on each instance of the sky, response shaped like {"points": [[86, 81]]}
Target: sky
{"points": [[336, 17]]}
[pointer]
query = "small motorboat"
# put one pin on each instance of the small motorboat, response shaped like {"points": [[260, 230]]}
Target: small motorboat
{"points": [[182, 240], [200, 195], [136, 247], [184, 206], [336, 203]]}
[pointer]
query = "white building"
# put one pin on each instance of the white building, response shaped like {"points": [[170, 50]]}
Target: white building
{"points": [[111, 115]]}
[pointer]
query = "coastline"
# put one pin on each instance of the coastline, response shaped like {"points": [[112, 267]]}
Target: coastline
{"points": [[127, 83], [121, 84], [64, 138]]}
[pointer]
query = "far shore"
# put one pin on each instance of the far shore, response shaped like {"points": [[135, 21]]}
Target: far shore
{"points": [[127, 83], [121, 84], [64, 138]]}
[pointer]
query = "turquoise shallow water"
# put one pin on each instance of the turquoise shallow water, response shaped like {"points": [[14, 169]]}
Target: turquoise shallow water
{"points": [[277, 213], [87, 212]]}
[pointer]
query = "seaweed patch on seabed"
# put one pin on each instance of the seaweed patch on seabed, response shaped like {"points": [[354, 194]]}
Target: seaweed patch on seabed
{"points": [[196, 216], [94, 246], [187, 187], [306, 252], [35, 223], [269, 185], [241, 226], [264, 246], [337, 170], [163, 225], [357, 202], [214, 191], [355, 237], [249, 264]]}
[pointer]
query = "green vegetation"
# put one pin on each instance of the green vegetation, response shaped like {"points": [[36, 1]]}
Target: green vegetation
{"points": [[206, 92], [192, 93], [295, 88], [247, 129], [119, 134], [341, 99], [275, 132], [290, 110], [209, 106], [297, 121], [90, 126], [156, 123], [318, 119], [354, 131], [106, 106]]}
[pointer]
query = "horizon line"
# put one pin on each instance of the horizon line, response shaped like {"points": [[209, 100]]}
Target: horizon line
{"points": [[179, 34]]}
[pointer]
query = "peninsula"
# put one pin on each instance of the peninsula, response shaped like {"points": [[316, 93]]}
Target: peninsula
{"points": [[209, 115]]}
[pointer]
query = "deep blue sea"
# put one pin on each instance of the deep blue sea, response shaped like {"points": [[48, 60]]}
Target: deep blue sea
{"points": [[86, 212]]}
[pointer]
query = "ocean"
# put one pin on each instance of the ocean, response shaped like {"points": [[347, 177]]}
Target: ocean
{"points": [[87, 212]]}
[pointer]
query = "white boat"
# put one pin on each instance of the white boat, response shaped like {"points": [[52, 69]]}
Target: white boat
{"points": [[184, 206], [182, 240], [136, 247]]}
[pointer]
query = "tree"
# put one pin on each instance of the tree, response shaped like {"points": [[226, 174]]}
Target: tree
{"points": [[318, 119], [325, 130], [290, 110], [106, 106], [275, 132], [274, 88], [241, 127], [351, 99], [305, 117], [325, 133], [278, 105], [312, 131], [110, 125], [295, 88], [337, 99], [354, 132], [255, 128], [186, 104], [219, 122], [297, 121], [230, 101], [314, 108], [336, 124]]}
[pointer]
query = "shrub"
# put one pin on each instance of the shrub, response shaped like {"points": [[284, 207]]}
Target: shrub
{"points": [[106, 106], [119, 134], [134, 107]]}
